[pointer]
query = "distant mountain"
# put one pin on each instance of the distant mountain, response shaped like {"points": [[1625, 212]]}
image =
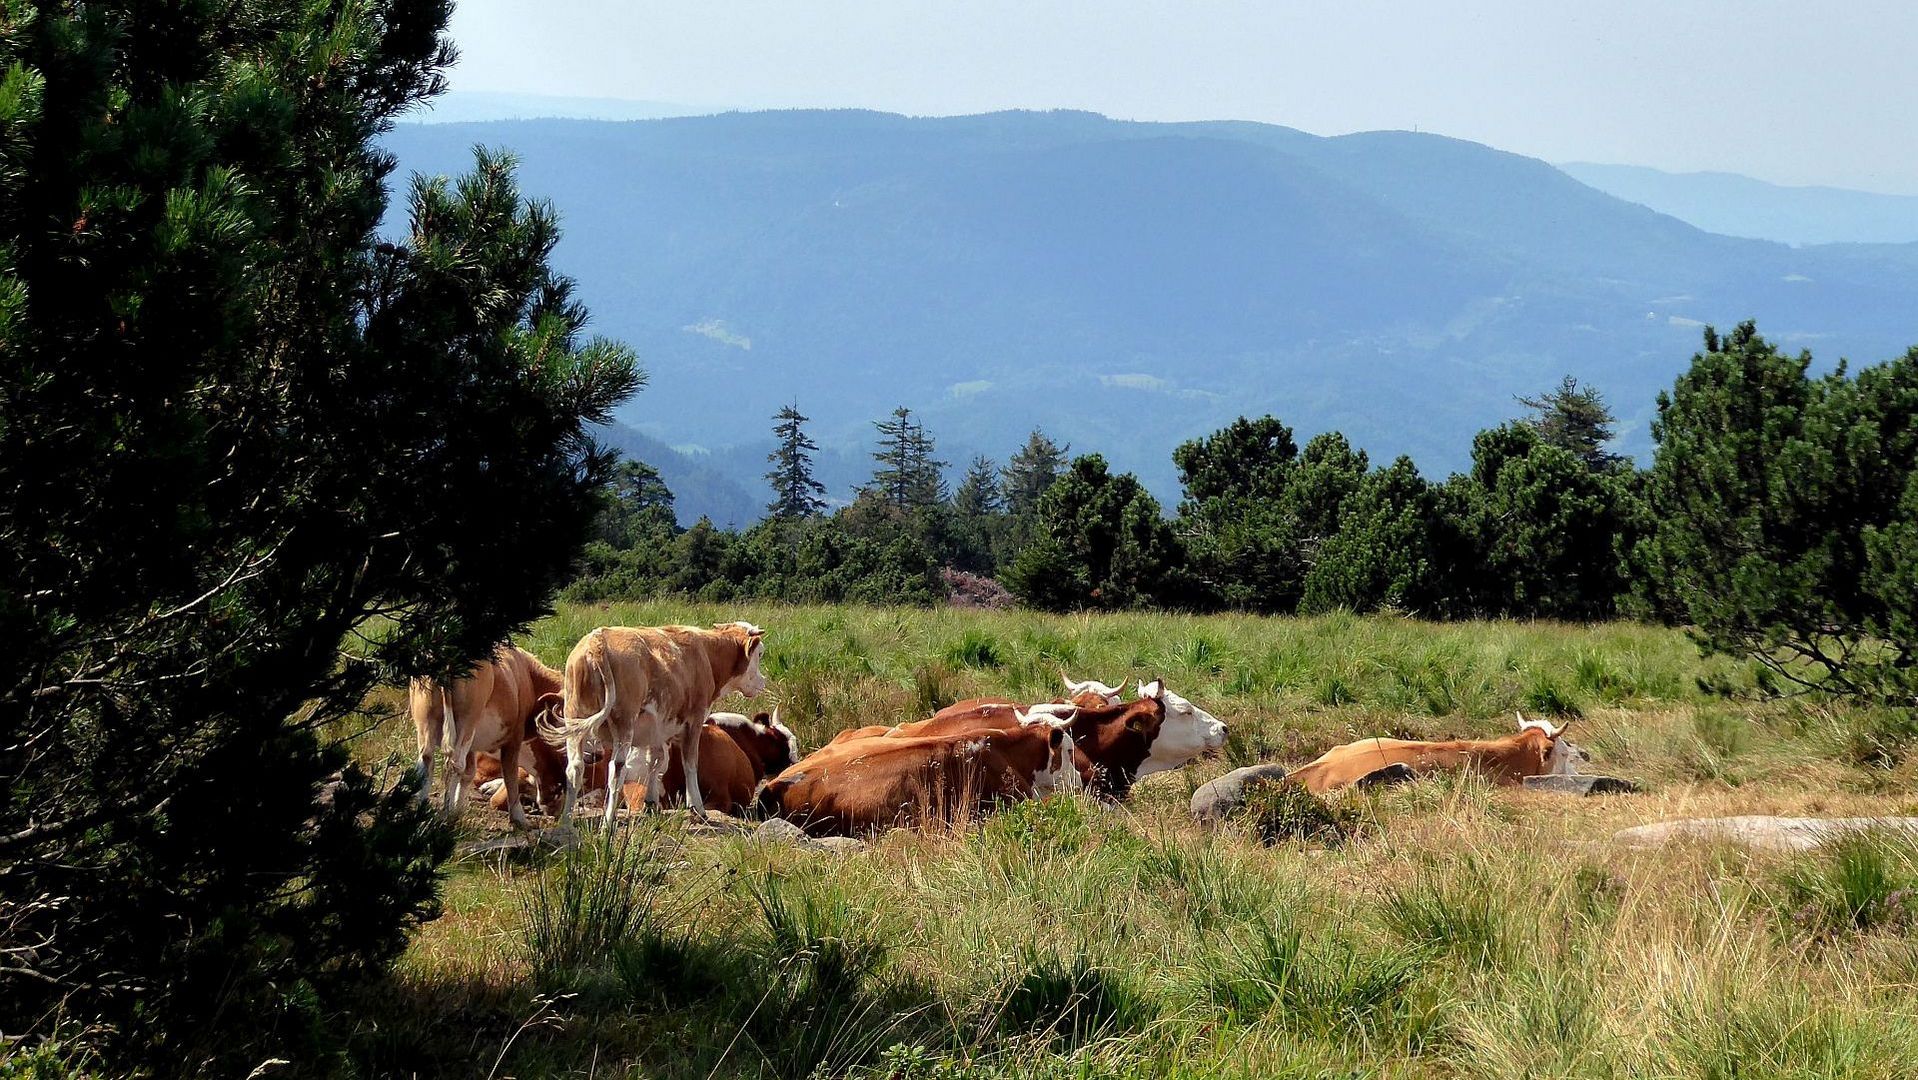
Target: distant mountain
{"points": [[1741, 206], [1126, 286], [472, 106], [700, 490]]}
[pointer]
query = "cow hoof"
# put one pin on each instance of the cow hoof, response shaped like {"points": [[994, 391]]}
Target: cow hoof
{"points": [[1395, 773]]}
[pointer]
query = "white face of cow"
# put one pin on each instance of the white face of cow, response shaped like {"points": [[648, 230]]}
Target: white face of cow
{"points": [[1187, 734], [1059, 773], [1565, 758], [752, 682]]}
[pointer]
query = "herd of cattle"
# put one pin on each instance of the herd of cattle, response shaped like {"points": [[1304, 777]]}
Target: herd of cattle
{"points": [[630, 717]]}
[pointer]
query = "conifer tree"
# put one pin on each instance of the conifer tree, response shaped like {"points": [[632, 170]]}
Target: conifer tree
{"points": [[237, 430], [1575, 419], [908, 477], [978, 495], [1030, 472], [797, 493]]}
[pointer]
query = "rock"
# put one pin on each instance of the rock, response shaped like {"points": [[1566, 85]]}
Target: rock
{"points": [[1580, 784], [780, 831], [531, 842], [1760, 831], [1217, 798], [1396, 773]]}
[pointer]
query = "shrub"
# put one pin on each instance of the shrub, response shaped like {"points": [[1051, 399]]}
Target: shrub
{"points": [[1278, 811], [969, 590]]}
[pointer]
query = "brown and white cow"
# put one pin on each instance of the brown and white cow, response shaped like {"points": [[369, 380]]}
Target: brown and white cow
{"points": [[865, 785], [735, 754], [646, 688], [491, 708], [1113, 744], [1537, 748]]}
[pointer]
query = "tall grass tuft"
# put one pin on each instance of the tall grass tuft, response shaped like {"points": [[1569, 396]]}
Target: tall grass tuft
{"points": [[1861, 882], [1461, 918], [976, 649], [931, 689], [1072, 1000], [1544, 695], [578, 912], [1334, 991]]}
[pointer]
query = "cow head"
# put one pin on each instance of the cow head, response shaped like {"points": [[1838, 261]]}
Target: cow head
{"points": [[786, 737], [748, 680], [1563, 756], [1091, 689], [1060, 772], [1187, 733]]}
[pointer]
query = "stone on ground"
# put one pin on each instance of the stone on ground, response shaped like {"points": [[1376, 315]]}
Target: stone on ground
{"points": [[1760, 831], [1580, 784], [1218, 798]]}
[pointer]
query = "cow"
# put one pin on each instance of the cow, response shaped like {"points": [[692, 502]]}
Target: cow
{"points": [[490, 708], [1537, 748], [866, 785], [735, 754], [1091, 694], [648, 688], [1114, 745]]}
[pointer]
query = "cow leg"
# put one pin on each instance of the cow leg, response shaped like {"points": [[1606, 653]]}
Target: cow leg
{"points": [[689, 763], [575, 776], [655, 775], [510, 777], [616, 767], [425, 769], [459, 775]]}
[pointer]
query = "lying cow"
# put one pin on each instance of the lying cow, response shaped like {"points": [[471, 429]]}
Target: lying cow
{"points": [[630, 688], [1113, 745], [491, 708], [1091, 694], [867, 785], [1537, 748]]}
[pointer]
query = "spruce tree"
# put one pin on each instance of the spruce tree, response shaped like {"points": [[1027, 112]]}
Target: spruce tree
{"points": [[978, 495], [1030, 472], [1575, 419], [797, 494], [908, 477], [253, 461]]}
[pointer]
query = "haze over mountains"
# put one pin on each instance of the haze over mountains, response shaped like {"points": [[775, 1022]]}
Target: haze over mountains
{"points": [[1741, 206], [1127, 285]]}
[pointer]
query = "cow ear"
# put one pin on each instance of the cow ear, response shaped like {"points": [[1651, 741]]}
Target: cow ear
{"points": [[1153, 690], [1136, 722]]}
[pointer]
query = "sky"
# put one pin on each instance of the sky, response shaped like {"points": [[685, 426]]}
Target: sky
{"points": [[1790, 92]]}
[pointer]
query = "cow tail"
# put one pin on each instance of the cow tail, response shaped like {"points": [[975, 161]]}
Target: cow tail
{"points": [[449, 725], [558, 729]]}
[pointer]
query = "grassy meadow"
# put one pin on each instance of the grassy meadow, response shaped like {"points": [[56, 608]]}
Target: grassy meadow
{"points": [[1442, 929]]}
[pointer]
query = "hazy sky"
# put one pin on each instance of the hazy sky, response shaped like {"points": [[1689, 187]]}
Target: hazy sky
{"points": [[1793, 92]]}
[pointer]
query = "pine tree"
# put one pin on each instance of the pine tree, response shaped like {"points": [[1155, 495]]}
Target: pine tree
{"points": [[639, 507], [796, 493], [908, 477], [1575, 419], [1030, 472], [236, 430]]}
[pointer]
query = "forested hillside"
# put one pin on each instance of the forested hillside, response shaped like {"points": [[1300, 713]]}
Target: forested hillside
{"points": [[1127, 286]]}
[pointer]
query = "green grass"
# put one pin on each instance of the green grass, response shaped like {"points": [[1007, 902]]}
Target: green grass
{"points": [[1436, 930]]}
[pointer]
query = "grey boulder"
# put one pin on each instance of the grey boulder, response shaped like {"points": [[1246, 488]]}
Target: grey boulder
{"points": [[1217, 798], [1580, 784], [1761, 832]]}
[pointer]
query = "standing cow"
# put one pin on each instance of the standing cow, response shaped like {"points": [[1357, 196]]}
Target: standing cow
{"points": [[633, 688], [491, 708]]}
